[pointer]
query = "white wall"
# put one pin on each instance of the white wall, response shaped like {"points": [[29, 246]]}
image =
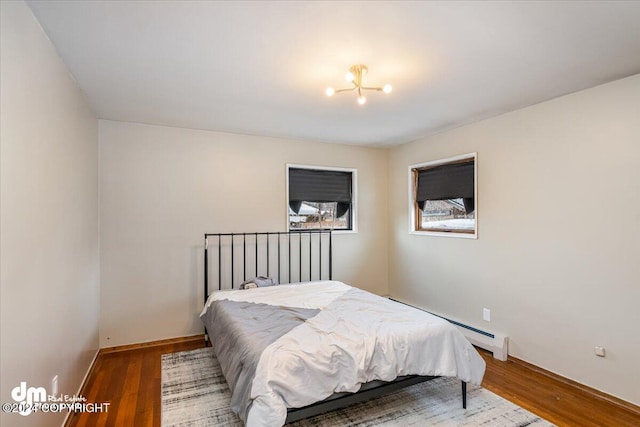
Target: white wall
{"points": [[162, 188], [558, 254], [49, 217]]}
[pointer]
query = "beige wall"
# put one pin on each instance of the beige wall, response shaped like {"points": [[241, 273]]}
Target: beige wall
{"points": [[162, 188], [49, 259], [558, 255]]}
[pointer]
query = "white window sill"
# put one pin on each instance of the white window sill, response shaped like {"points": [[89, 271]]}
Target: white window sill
{"points": [[444, 234]]}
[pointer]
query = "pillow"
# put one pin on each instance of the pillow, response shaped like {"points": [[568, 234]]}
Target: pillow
{"points": [[258, 282]]}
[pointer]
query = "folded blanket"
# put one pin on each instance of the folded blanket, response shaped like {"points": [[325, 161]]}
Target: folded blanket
{"points": [[258, 282]]}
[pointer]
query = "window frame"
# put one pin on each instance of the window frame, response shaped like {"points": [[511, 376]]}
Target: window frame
{"points": [[413, 205], [354, 194]]}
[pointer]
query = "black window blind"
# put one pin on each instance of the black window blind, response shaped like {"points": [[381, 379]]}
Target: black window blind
{"points": [[448, 181], [312, 185]]}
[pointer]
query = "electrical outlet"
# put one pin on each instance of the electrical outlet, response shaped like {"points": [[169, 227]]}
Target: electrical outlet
{"points": [[599, 350], [486, 314], [54, 386]]}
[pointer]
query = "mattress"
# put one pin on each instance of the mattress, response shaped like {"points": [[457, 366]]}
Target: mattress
{"points": [[290, 346]]}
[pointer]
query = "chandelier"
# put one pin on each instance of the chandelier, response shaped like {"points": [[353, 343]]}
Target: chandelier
{"points": [[354, 76]]}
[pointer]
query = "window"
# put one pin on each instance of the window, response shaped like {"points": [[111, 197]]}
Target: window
{"points": [[320, 197], [443, 197]]}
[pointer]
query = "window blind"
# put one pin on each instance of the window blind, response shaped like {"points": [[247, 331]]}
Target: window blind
{"points": [[444, 182], [313, 185]]}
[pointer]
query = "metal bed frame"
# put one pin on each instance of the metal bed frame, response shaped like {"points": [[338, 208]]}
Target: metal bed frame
{"points": [[231, 240], [283, 245]]}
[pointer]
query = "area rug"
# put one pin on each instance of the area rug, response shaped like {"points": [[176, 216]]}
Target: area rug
{"points": [[195, 393]]}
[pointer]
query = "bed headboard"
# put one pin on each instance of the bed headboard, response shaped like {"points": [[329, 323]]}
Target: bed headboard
{"points": [[289, 256]]}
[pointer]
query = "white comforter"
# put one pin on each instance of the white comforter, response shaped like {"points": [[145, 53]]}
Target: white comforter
{"points": [[356, 337]]}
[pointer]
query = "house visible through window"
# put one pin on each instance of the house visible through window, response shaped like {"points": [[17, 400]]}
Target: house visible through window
{"points": [[321, 198], [444, 196]]}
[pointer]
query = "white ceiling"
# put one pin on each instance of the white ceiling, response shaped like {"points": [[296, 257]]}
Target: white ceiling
{"points": [[262, 67]]}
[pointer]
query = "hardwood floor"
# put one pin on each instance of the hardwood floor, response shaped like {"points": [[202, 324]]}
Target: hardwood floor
{"points": [[555, 401], [129, 378]]}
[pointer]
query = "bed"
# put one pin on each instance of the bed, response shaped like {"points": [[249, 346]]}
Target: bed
{"points": [[315, 344]]}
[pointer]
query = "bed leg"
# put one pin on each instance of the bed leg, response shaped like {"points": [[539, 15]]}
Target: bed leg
{"points": [[464, 395]]}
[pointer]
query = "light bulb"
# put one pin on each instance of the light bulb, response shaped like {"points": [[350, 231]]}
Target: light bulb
{"points": [[349, 77], [387, 88], [330, 91], [362, 100]]}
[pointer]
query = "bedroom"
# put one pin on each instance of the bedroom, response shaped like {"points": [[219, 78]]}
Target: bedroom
{"points": [[104, 204]]}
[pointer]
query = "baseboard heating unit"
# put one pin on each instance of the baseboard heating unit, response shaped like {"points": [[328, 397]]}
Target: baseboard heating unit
{"points": [[496, 343]]}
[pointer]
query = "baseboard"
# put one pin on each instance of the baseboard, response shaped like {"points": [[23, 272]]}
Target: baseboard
{"points": [[82, 385], [592, 392], [494, 342], [148, 344]]}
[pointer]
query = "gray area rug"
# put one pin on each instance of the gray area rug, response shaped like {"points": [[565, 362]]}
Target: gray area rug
{"points": [[195, 393]]}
